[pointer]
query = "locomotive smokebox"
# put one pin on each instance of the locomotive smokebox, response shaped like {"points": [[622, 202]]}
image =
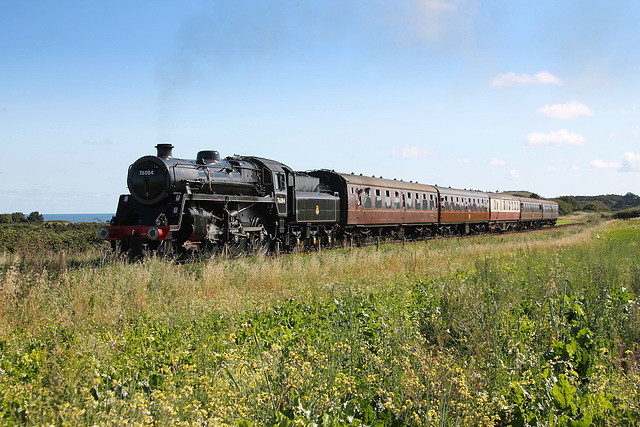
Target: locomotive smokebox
{"points": [[208, 156], [164, 151]]}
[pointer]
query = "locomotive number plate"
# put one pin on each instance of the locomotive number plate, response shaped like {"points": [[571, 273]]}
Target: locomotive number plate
{"points": [[145, 172]]}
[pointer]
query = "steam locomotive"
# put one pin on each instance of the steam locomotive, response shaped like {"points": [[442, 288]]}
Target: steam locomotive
{"points": [[237, 205]]}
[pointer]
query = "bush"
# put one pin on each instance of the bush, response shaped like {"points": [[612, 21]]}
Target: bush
{"points": [[35, 217], [593, 207], [18, 217], [50, 236], [627, 213]]}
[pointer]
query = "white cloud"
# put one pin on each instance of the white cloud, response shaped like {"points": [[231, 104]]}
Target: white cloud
{"points": [[601, 164], [464, 160], [575, 168], [496, 162], [513, 174], [559, 138], [566, 111], [509, 79], [412, 152], [630, 162]]}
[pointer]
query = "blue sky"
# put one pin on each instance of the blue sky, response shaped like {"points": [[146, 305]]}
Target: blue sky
{"points": [[490, 95]]}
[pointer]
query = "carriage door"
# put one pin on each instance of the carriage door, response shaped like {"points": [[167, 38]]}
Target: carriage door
{"points": [[280, 192]]}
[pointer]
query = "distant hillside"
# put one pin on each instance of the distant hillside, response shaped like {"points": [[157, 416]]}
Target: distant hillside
{"points": [[612, 202], [522, 193]]}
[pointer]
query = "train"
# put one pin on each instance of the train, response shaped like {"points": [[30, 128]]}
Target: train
{"points": [[209, 206]]}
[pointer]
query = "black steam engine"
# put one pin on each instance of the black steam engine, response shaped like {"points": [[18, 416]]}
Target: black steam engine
{"points": [[209, 206]]}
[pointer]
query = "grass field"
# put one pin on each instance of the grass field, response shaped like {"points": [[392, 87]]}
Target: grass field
{"points": [[579, 218], [528, 329]]}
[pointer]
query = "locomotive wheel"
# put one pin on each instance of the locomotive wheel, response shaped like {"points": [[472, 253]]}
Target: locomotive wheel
{"points": [[235, 247], [260, 240], [210, 251]]}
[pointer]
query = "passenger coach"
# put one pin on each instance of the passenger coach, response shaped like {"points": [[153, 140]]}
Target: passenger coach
{"points": [[535, 213], [377, 206]]}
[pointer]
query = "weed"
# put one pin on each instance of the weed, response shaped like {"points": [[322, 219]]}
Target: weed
{"points": [[533, 329]]}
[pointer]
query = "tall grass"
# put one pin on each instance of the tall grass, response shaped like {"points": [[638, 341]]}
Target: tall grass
{"points": [[539, 328], [95, 288]]}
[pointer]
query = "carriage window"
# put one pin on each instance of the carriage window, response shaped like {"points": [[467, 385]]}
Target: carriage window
{"points": [[397, 200], [367, 198], [387, 199], [409, 201], [378, 199]]}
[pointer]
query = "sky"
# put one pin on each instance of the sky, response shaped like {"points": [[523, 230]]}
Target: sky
{"points": [[494, 95]]}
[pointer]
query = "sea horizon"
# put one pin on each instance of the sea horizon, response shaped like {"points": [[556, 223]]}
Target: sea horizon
{"points": [[79, 217]]}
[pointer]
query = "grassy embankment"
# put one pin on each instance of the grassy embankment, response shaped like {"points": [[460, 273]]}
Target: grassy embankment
{"points": [[541, 328]]}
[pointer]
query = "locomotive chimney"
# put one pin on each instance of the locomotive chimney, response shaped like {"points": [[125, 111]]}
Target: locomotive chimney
{"points": [[164, 151]]}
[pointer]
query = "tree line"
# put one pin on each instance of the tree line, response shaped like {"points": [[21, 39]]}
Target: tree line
{"points": [[602, 203], [34, 217]]}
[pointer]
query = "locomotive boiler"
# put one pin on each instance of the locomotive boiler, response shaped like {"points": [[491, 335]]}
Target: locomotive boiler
{"points": [[211, 205]]}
